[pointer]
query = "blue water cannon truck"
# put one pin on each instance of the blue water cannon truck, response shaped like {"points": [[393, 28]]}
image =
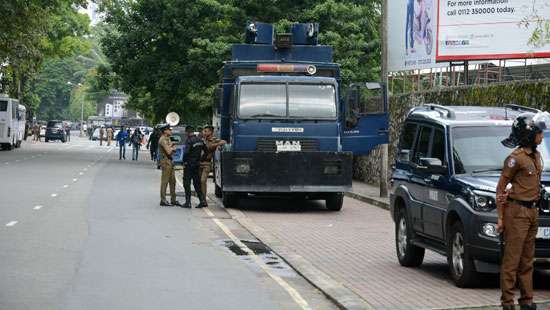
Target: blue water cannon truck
{"points": [[291, 129]]}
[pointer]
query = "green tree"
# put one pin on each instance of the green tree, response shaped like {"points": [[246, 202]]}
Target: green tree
{"points": [[166, 54]]}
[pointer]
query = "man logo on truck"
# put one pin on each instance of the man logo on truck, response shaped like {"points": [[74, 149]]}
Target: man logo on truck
{"points": [[288, 146]]}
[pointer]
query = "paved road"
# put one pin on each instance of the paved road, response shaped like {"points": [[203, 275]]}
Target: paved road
{"points": [[80, 229], [356, 247]]}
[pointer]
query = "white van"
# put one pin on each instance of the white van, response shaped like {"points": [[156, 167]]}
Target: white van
{"points": [[22, 122], [10, 133]]}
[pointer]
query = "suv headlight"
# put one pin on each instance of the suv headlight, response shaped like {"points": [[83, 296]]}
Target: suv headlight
{"points": [[483, 201]]}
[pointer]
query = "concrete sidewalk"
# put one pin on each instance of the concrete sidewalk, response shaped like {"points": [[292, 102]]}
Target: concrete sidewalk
{"points": [[369, 194]]}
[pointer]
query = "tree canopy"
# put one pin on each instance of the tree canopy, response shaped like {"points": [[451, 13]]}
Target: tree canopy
{"points": [[166, 54]]}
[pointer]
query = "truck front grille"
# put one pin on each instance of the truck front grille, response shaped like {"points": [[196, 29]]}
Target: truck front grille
{"points": [[270, 144]]}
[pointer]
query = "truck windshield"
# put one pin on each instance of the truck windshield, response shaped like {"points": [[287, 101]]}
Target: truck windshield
{"points": [[478, 149], [311, 101], [304, 101], [3, 106]]}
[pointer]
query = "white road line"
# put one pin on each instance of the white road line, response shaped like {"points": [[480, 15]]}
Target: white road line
{"points": [[54, 195], [65, 186], [10, 224], [75, 179], [37, 208], [287, 287], [17, 160], [85, 169], [81, 173]]}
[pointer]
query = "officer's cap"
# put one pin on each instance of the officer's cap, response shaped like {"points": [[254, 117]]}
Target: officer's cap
{"points": [[164, 127], [209, 127]]}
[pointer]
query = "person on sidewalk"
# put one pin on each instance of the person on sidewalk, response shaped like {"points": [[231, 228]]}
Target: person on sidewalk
{"points": [[101, 134], [195, 153], [68, 133], [135, 139], [153, 144], [518, 209], [212, 144], [167, 148], [109, 136], [121, 138]]}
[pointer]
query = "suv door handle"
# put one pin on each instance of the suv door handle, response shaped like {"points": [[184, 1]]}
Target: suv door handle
{"points": [[383, 131]]}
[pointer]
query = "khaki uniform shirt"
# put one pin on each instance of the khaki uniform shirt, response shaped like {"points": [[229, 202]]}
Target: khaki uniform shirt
{"points": [[210, 144], [524, 169], [165, 147]]}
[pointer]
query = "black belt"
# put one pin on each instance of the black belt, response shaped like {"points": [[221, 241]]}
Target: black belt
{"points": [[527, 204]]}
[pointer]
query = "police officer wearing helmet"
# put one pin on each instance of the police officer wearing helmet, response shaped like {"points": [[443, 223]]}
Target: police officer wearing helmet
{"points": [[195, 152], [167, 148], [518, 208]]}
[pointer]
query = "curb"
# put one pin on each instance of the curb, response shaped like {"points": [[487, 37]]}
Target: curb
{"points": [[343, 297], [373, 201]]}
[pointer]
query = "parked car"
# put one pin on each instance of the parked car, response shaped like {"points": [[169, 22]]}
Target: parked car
{"points": [[443, 186], [55, 131]]}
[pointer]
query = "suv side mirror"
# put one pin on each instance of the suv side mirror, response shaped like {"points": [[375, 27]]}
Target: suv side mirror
{"points": [[432, 166]]}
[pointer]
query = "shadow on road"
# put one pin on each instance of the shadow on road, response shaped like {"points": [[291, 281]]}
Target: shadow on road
{"points": [[282, 205]]}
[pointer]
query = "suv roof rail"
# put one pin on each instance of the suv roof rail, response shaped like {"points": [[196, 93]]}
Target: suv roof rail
{"points": [[517, 107], [450, 113]]}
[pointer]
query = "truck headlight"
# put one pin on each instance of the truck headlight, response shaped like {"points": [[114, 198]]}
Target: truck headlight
{"points": [[483, 201], [242, 166]]}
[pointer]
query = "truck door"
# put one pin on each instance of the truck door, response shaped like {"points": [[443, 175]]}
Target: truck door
{"points": [[365, 121]]}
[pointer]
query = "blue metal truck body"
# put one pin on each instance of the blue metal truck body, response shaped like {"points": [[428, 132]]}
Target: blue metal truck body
{"points": [[282, 112]]}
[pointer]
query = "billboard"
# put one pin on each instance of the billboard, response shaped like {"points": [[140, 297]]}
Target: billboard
{"points": [[411, 34], [488, 29]]}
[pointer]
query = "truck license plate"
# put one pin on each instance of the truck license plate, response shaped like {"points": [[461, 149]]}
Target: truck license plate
{"points": [[543, 233]]}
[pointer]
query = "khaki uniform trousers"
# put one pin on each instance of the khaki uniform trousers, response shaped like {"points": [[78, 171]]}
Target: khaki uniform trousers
{"points": [[520, 231], [204, 172], [168, 177]]}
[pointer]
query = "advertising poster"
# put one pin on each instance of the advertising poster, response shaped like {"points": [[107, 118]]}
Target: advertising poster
{"points": [[411, 34], [489, 29]]}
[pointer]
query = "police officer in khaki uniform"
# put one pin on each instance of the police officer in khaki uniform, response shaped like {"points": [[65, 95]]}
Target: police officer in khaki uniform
{"points": [[167, 148], [212, 144], [518, 208]]}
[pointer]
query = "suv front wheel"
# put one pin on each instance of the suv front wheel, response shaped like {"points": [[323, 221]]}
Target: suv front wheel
{"points": [[408, 254], [461, 265]]}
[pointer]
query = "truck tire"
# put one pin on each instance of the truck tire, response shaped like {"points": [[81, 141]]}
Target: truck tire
{"points": [[335, 201], [230, 200], [408, 254], [218, 191], [461, 265]]}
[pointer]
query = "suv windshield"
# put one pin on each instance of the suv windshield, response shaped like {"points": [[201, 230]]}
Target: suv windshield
{"points": [[55, 124], [304, 101], [479, 148]]}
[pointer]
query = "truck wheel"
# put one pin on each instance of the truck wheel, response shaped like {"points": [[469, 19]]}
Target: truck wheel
{"points": [[335, 201], [461, 265], [230, 200], [218, 191], [408, 254]]}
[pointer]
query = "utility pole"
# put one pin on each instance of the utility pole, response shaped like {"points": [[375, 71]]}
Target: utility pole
{"points": [[384, 148]]}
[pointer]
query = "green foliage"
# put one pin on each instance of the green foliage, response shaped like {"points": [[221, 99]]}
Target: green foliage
{"points": [[166, 54]]}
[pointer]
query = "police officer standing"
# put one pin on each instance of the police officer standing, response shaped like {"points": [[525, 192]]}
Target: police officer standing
{"points": [[195, 152], [212, 144], [518, 208], [166, 149]]}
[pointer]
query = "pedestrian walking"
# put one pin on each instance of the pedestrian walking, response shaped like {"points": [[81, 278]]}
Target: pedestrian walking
{"points": [[212, 143], [167, 149], [101, 134], [153, 143], [121, 138], [36, 132], [517, 206], [109, 135], [195, 153], [136, 143], [68, 132]]}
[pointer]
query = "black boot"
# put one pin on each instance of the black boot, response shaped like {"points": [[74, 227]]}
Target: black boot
{"points": [[187, 203], [532, 306], [510, 307]]}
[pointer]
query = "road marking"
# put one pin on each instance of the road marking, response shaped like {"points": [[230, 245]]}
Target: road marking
{"points": [[85, 169], [37, 208], [75, 179], [17, 160], [12, 223], [54, 195], [287, 287], [65, 186], [82, 173]]}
